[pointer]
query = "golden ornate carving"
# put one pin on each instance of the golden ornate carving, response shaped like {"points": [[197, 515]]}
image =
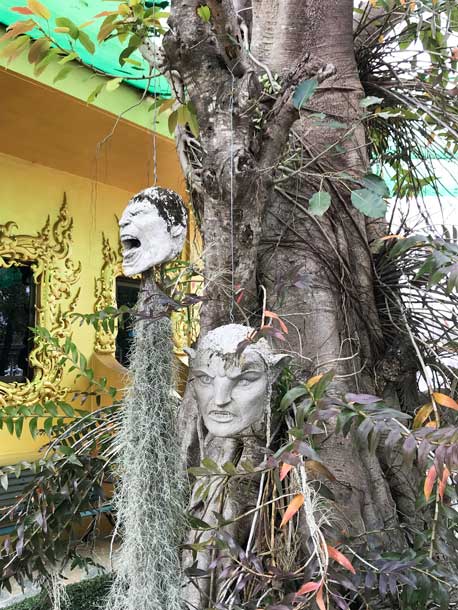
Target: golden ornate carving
{"points": [[55, 275], [105, 295]]}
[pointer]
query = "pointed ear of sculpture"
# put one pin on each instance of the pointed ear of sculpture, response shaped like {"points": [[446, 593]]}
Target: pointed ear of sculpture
{"points": [[191, 352], [279, 361]]}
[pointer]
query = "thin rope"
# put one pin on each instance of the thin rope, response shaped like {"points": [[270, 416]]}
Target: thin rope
{"points": [[154, 111], [231, 110]]}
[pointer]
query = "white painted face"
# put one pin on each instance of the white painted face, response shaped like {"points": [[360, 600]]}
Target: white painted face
{"points": [[232, 392], [147, 239]]}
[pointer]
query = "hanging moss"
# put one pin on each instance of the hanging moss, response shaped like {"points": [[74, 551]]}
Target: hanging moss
{"points": [[149, 498]]}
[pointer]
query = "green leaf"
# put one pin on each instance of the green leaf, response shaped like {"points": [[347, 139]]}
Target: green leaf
{"points": [[70, 57], [304, 92], [18, 425], [67, 409], [33, 423], [370, 101], [204, 13], [172, 122], [376, 184], [64, 22], [86, 42], [95, 93], [210, 465], [10, 424], [293, 395], [111, 86], [62, 74], [369, 203], [193, 123], [48, 425], [319, 203], [229, 468]]}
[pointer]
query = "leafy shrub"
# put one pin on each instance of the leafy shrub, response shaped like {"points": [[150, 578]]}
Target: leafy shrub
{"points": [[85, 595]]}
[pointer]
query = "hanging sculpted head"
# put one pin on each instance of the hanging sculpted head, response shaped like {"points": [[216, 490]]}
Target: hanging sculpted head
{"points": [[233, 391], [152, 229]]}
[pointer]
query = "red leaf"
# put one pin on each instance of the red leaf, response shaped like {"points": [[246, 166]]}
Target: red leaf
{"points": [[285, 468], [308, 588], [23, 10], [292, 509], [319, 599], [271, 314], [443, 483], [429, 482], [340, 558]]}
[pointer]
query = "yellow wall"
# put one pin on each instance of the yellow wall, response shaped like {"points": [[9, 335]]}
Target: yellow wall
{"points": [[48, 147], [28, 193]]}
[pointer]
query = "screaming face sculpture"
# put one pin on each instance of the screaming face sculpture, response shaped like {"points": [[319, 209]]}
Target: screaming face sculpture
{"points": [[152, 229], [233, 391]]}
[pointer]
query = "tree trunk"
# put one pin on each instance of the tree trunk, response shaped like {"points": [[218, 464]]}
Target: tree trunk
{"points": [[259, 164]]}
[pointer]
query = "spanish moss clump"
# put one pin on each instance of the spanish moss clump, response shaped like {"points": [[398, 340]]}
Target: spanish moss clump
{"points": [[149, 498]]}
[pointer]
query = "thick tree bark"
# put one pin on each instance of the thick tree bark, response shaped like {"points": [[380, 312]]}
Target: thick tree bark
{"points": [[252, 191]]}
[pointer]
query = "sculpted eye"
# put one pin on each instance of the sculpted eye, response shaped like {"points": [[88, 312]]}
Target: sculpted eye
{"points": [[205, 379], [247, 379]]}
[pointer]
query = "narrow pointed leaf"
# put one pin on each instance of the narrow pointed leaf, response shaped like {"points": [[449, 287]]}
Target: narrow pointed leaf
{"points": [[39, 9], [340, 558], [320, 600], [429, 482], [443, 483], [292, 509], [308, 587], [422, 415], [445, 401], [285, 468]]}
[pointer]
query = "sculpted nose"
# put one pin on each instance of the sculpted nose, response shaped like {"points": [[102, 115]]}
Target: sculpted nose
{"points": [[222, 393]]}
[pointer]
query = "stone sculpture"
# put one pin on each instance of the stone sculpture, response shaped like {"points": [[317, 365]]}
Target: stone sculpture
{"points": [[152, 229], [150, 494], [233, 393]]}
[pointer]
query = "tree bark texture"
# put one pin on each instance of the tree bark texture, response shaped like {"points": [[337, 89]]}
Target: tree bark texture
{"points": [[259, 163]]}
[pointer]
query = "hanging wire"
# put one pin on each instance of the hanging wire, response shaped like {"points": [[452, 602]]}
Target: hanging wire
{"points": [[154, 110], [231, 111]]}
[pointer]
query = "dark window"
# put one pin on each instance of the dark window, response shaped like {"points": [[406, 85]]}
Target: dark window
{"points": [[126, 294], [17, 314]]}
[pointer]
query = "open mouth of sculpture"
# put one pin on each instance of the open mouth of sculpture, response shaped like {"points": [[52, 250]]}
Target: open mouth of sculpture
{"points": [[130, 245]]}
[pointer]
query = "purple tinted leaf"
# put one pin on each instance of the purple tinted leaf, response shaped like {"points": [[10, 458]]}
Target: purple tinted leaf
{"points": [[326, 414], [392, 439], [382, 584], [341, 603], [392, 583], [370, 581], [409, 448], [362, 399], [423, 452]]}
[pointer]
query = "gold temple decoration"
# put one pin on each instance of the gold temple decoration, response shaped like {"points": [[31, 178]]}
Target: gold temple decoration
{"points": [[105, 295], [55, 274]]}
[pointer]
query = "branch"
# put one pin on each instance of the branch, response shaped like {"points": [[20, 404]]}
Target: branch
{"points": [[284, 113]]}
